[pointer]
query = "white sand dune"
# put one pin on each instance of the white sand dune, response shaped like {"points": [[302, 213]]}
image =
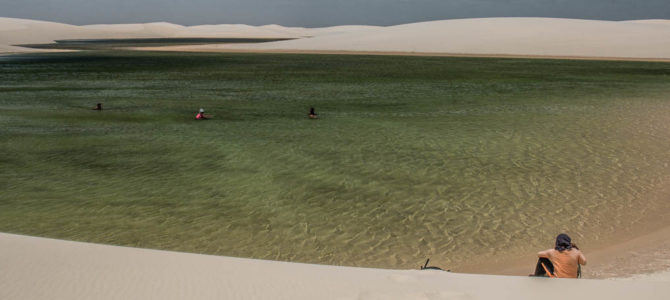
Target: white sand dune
{"points": [[327, 31], [300, 32], [487, 36], [21, 31], [651, 21], [499, 36], [148, 30], [236, 31], [40, 268]]}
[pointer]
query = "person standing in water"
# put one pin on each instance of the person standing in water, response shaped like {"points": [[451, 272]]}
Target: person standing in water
{"points": [[98, 106], [563, 261], [201, 115], [312, 114]]}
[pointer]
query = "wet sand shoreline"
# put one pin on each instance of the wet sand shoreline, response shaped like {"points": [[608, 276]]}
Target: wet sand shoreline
{"points": [[645, 254], [637, 249]]}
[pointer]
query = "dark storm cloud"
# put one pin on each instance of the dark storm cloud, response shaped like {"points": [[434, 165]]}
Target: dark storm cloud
{"points": [[313, 13]]}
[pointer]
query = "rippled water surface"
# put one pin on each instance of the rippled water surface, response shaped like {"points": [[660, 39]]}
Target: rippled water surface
{"points": [[455, 159]]}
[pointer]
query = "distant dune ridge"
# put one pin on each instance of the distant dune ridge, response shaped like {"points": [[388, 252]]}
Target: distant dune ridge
{"points": [[513, 36], [20, 31], [485, 36]]}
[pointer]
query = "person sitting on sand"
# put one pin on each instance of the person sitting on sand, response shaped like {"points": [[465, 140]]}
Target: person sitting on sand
{"points": [[312, 114], [97, 107], [201, 115], [563, 261]]}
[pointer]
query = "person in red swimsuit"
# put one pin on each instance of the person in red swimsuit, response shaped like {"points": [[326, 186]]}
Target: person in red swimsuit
{"points": [[201, 115]]}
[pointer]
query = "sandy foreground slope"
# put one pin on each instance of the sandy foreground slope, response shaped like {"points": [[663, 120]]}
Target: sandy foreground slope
{"points": [[41, 268], [545, 37]]}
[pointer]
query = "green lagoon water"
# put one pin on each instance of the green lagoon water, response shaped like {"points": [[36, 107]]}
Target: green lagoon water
{"points": [[456, 159]]}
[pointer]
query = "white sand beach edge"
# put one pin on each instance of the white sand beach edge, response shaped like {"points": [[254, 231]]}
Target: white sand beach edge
{"points": [[42, 268]]}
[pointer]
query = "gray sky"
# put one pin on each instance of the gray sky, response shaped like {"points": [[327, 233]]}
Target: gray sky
{"points": [[317, 13]]}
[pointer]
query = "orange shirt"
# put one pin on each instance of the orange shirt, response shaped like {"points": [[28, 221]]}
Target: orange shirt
{"points": [[566, 262]]}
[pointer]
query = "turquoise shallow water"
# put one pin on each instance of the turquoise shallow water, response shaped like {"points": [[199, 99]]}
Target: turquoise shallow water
{"points": [[455, 159]]}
